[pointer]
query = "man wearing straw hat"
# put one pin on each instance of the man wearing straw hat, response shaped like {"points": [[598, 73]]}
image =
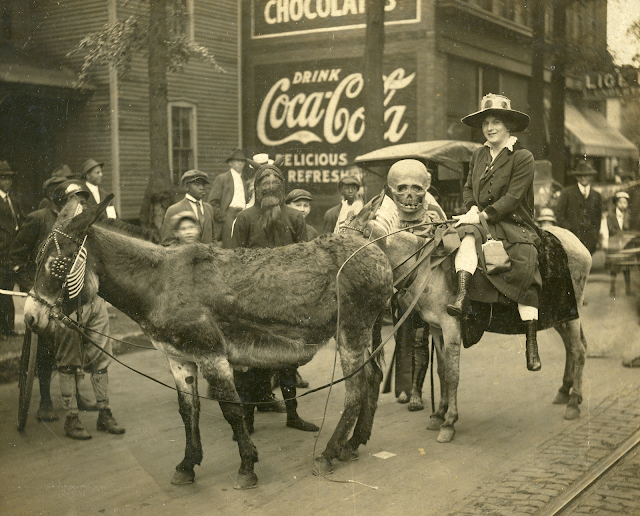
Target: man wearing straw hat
{"points": [[618, 225], [91, 175], [10, 221]]}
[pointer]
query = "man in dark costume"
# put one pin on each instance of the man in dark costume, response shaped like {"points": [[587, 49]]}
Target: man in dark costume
{"points": [[269, 223]]}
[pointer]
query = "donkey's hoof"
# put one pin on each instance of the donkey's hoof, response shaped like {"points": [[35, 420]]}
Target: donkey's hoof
{"points": [[415, 403], [435, 423], [572, 412], [183, 478], [348, 455], [246, 481], [446, 434], [403, 398], [561, 398], [322, 467]]}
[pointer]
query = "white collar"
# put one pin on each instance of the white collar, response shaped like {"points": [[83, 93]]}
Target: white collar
{"points": [[234, 172], [584, 190], [191, 198], [619, 213], [3, 194], [509, 145]]}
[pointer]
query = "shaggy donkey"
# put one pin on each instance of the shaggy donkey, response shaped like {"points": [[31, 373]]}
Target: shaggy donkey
{"points": [[218, 309]]}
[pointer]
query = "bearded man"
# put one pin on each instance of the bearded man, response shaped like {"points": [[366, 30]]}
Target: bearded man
{"points": [[408, 183], [269, 223]]}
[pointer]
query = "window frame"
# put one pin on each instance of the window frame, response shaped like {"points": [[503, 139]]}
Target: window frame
{"points": [[193, 128]]}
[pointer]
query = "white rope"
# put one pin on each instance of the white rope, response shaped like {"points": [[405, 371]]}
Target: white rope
{"points": [[12, 293]]}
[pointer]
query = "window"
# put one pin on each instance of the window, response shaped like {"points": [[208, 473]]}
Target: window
{"points": [[182, 139], [182, 18]]}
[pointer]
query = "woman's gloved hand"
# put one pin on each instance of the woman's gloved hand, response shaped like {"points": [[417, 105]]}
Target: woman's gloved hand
{"points": [[471, 217]]}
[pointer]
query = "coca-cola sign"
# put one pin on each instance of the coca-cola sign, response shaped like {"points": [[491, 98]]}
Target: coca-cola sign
{"points": [[275, 18], [313, 114]]}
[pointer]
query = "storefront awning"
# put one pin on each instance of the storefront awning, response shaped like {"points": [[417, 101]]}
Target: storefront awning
{"points": [[587, 132]]}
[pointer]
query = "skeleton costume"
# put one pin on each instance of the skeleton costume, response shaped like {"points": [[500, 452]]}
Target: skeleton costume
{"points": [[408, 182]]}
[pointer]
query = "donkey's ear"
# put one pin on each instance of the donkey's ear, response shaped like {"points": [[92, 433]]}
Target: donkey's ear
{"points": [[253, 164], [279, 161], [100, 209]]}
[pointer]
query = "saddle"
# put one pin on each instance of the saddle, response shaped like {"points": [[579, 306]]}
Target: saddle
{"points": [[556, 300]]}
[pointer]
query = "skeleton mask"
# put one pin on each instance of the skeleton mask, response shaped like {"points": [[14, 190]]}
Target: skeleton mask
{"points": [[408, 182]]}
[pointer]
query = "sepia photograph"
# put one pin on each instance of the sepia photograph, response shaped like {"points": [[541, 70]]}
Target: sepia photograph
{"points": [[290, 257]]}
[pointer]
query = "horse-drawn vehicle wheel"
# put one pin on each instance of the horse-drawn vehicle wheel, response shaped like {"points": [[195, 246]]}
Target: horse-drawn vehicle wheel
{"points": [[27, 371]]}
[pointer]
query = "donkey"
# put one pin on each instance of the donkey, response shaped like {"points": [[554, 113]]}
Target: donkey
{"points": [[217, 309], [379, 218]]}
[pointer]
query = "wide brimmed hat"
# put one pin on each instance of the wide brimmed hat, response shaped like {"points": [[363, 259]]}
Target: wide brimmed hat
{"points": [[237, 154], [297, 195], [350, 180], [179, 217], [66, 189], [87, 166], [193, 175], [5, 169], [499, 106], [584, 169]]}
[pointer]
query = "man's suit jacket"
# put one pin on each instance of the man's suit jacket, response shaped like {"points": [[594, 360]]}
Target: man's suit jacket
{"points": [[221, 195], [8, 227], [581, 216], [206, 225], [331, 218]]}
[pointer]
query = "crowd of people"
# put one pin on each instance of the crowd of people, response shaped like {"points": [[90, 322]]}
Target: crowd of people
{"points": [[242, 208]]}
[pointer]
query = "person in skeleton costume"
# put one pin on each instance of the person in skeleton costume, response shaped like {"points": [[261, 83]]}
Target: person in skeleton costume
{"points": [[269, 223], [408, 183], [499, 192], [76, 354]]}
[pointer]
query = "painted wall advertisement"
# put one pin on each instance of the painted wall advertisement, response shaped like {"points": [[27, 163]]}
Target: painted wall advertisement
{"points": [[313, 114], [274, 18]]}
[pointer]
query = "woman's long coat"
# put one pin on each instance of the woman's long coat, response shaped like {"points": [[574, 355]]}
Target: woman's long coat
{"points": [[503, 190]]}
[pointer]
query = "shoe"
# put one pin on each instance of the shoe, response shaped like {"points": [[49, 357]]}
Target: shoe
{"points": [[85, 404], [300, 383], [635, 362], [74, 429], [107, 423], [271, 404], [46, 413], [300, 424]]}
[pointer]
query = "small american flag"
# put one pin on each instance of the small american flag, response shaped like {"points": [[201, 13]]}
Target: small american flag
{"points": [[75, 279]]}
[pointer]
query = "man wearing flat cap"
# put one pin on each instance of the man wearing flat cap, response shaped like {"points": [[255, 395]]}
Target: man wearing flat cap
{"points": [[579, 208], [91, 175], [10, 221], [195, 182], [228, 196]]}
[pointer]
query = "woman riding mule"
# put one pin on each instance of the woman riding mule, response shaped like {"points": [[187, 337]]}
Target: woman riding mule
{"points": [[498, 195]]}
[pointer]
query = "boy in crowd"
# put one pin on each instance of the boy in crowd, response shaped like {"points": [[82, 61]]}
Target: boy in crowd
{"points": [[351, 204], [186, 229], [301, 201]]}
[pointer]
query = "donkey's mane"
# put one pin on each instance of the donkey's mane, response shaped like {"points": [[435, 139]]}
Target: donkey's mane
{"points": [[128, 229]]}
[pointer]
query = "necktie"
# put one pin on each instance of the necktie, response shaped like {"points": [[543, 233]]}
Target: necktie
{"points": [[200, 212], [13, 212]]}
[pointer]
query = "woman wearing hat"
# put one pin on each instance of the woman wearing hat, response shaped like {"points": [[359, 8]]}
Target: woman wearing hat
{"points": [[618, 226], [498, 195]]}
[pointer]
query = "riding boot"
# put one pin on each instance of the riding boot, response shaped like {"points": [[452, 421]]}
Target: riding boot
{"points": [[461, 303], [533, 360], [420, 366], [293, 419], [84, 403]]}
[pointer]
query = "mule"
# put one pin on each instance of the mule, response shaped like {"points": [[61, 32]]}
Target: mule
{"points": [[216, 309], [379, 218]]}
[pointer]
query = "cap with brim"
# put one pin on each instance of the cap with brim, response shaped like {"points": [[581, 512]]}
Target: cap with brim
{"points": [[72, 186], [5, 169], [584, 169], [298, 195], [179, 217], [500, 107], [193, 175], [52, 182], [237, 154], [546, 218], [621, 195], [349, 180], [89, 165], [63, 171]]}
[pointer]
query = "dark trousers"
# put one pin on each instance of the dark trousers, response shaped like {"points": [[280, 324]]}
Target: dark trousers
{"points": [[8, 279], [254, 385], [45, 362]]}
